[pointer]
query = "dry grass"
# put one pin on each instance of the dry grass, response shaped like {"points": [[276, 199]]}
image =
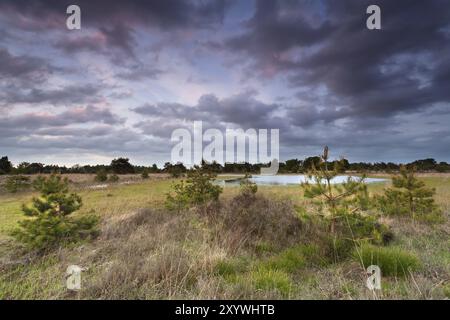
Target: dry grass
{"points": [[241, 249]]}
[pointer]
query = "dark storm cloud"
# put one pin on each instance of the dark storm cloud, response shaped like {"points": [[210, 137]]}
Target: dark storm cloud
{"points": [[115, 21], [321, 77], [171, 14], [277, 26], [402, 68]]}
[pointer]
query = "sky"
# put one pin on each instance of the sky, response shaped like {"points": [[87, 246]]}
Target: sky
{"points": [[137, 70]]}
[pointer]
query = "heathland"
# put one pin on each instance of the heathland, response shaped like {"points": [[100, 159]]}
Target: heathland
{"points": [[272, 244]]}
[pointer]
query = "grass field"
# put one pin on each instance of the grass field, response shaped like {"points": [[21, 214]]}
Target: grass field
{"points": [[153, 253]]}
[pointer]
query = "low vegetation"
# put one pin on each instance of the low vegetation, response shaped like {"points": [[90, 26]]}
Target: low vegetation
{"points": [[17, 183], [197, 189], [392, 261], [49, 224], [190, 238], [410, 197]]}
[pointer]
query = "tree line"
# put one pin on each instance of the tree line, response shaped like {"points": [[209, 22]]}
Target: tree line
{"points": [[123, 166]]}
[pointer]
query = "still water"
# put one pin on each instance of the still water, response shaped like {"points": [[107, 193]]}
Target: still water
{"points": [[295, 179]]}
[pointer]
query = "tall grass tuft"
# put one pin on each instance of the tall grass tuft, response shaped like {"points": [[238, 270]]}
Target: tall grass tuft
{"points": [[391, 260]]}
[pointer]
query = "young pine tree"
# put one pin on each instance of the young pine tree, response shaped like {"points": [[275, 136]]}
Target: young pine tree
{"points": [[408, 196], [247, 187], [49, 224], [198, 189], [338, 200]]}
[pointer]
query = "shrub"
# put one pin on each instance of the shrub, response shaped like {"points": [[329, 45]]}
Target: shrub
{"points": [[409, 196], [113, 178], [392, 261], [339, 200], [198, 189], [50, 223], [364, 228], [101, 176], [248, 188], [17, 183], [259, 219], [144, 174], [352, 231]]}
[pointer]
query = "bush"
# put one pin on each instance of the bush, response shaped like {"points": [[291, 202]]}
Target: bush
{"points": [[364, 228], [409, 197], [101, 176], [113, 178], [198, 189], [50, 224], [17, 183], [258, 219], [392, 261], [351, 231], [248, 188], [144, 175]]}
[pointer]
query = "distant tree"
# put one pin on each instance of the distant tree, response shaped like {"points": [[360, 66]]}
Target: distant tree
{"points": [[122, 166], [443, 167], [113, 178], [16, 183], [175, 170], [343, 165], [293, 165], [212, 167], [23, 168], [423, 165], [154, 168], [144, 174], [5, 165], [101, 176], [311, 162], [35, 168]]}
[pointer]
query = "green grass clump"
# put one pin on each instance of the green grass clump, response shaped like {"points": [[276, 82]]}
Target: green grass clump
{"points": [[392, 261], [263, 247], [446, 290], [289, 260], [314, 256], [231, 267], [269, 279]]}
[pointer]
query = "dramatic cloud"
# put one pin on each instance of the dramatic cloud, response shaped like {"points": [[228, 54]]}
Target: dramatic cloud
{"points": [[144, 68], [22, 67], [67, 95]]}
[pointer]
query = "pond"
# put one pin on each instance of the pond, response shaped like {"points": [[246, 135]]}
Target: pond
{"points": [[294, 180]]}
